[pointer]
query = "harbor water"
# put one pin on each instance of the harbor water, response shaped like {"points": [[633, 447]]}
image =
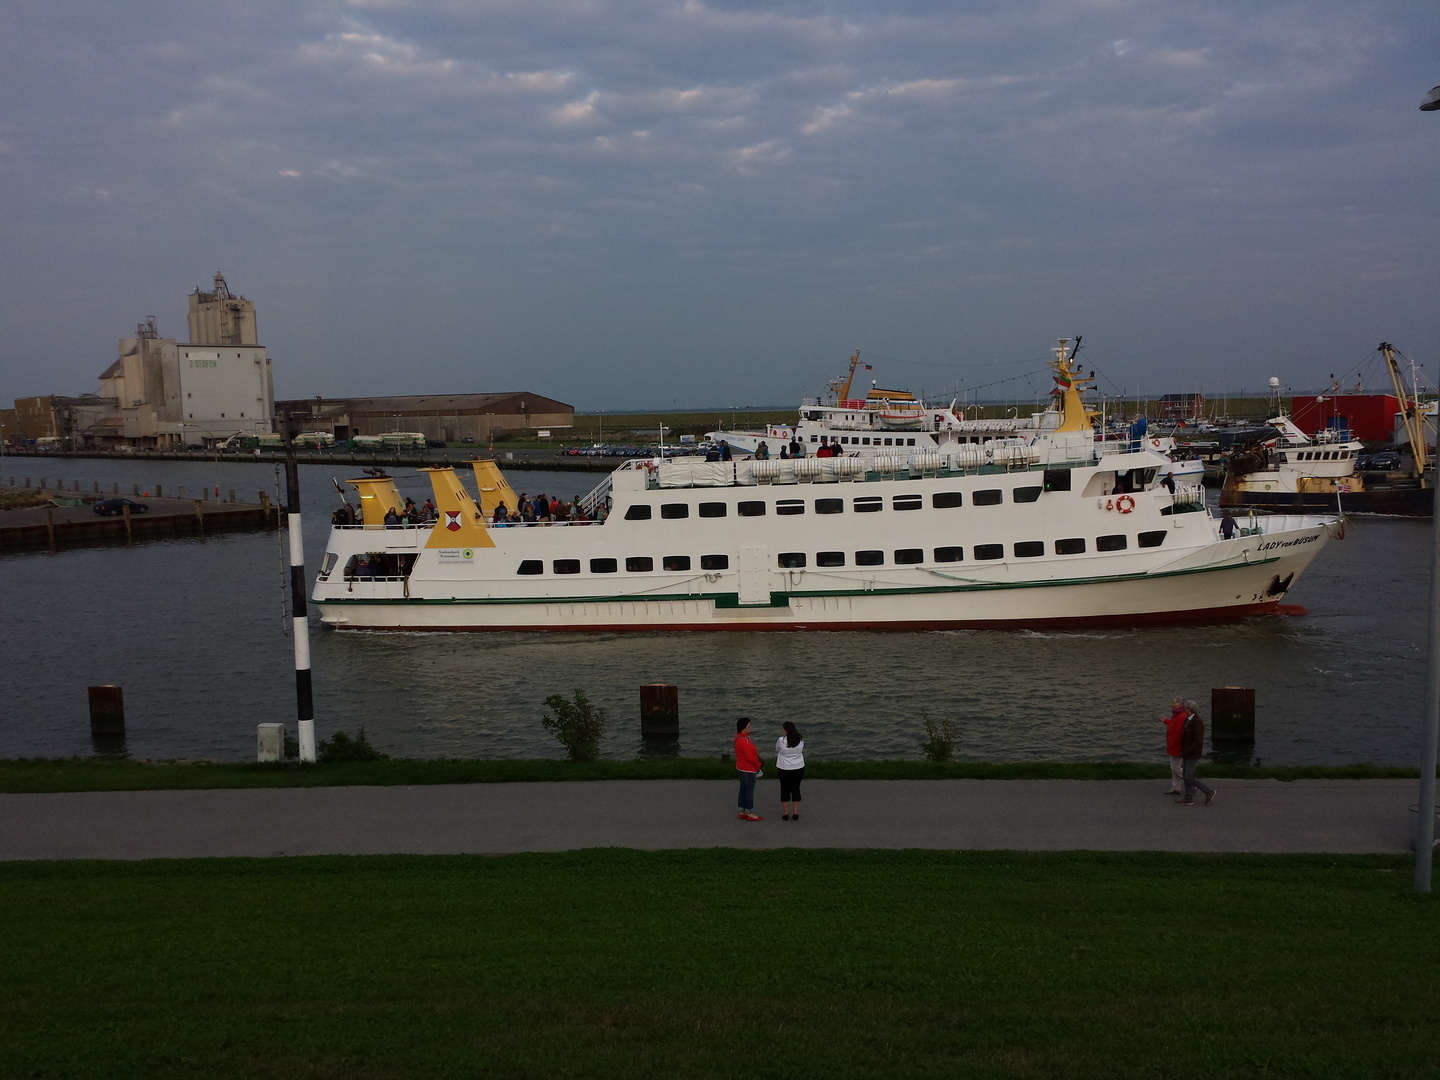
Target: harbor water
{"points": [[197, 633]]}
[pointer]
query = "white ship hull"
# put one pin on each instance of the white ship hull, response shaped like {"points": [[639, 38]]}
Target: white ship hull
{"points": [[1191, 575]]}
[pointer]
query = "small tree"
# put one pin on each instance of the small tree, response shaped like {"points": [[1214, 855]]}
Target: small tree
{"points": [[340, 747], [940, 737], [578, 724]]}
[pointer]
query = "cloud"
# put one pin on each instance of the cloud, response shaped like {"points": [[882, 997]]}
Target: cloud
{"points": [[686, 181]]}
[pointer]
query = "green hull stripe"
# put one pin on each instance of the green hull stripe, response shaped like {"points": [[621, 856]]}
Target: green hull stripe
{"points": [[730, 600]]}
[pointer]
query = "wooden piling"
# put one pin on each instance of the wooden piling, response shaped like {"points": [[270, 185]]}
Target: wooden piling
{"points": [[50, 526], [199, 516], [660, 711], [107, 710], [1232, 714], [125, 511]]}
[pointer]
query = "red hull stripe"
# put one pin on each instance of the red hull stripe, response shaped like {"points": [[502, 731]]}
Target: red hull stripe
{"points": [[1199, 615]]}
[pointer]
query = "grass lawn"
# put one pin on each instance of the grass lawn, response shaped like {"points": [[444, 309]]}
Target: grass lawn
{"points": [[720, 964], [108, 774]]}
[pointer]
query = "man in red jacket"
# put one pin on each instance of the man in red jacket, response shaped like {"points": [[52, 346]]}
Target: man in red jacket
{"points": [[747, 763], [1174, 726]]}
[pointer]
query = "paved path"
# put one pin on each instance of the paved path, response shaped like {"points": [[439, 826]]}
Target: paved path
{"points": [[1128, 815]]}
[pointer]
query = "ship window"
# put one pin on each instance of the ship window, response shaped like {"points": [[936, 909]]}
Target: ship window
{"points": [[1026, 494], [714, 562], [603, 566], [1073, 546], [942, 500], [639, 564], [889, 442], [712, 510], [812, 438], [988, 497], [830, 558], [1029, 549], [907, 556], [675, 562], [1114, 542], [531, 566], [789, 507], [566, 566], [1151, 539], [791, 560], [674, 510], [865, 442], [869, 558], [869, 504], [638, 512], [909, 442], [829, 506], [950, 554], [989, 551], [908, 502], [845, 439], [750, 509]]}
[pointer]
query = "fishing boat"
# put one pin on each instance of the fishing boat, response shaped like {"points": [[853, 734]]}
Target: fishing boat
{"points": [[1293, 472], [1008, 533]]}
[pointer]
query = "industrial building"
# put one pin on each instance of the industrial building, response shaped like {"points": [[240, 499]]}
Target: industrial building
{"points": [[160, 392], [440, 417]]}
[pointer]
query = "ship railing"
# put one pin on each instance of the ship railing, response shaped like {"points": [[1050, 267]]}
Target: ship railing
{"points": [[598, 496]]}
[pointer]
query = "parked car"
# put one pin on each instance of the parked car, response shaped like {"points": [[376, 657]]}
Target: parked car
{"points": [[109, 507], [1385, 459]]}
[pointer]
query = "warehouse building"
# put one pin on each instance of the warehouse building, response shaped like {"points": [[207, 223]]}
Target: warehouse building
{"points": [[440, 417]]}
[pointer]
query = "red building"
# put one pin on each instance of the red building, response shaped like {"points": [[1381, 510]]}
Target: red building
{"points": [[1369, 417]]}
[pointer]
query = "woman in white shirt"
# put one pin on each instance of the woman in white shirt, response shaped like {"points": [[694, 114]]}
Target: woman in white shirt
{"points": [[790, 764]]}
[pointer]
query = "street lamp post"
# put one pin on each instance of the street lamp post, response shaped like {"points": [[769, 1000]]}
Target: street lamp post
{"points": [[1425, 823]]}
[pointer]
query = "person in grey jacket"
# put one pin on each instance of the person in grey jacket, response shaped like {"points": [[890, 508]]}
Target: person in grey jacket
{"points": [[790, 764]]}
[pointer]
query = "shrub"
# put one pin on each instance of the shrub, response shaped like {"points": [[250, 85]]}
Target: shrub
{"points": [[940, 738], [340, 747], [292, 746], [578, 724]]}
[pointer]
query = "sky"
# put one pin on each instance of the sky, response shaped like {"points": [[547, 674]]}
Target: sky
{"points": [[663, 204]]}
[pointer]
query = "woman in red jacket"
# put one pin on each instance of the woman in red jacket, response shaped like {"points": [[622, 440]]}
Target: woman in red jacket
{"points": [[747, 763], [1174, 726]]}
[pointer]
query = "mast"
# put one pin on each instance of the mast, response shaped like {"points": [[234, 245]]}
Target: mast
{"points": [[1409, 409], [1069, 383], [842, 389]]}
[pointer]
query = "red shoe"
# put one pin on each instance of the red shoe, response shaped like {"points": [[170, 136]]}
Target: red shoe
{"points": [[752, 817]]}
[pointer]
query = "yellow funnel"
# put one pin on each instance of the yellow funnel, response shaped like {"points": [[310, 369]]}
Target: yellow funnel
{"points": [[493, 488], [377, 496], [460, 524]]}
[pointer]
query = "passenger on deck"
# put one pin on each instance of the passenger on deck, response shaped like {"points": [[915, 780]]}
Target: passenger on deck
{"points": [[762, 452], [501, 515], [1228, 525], [725, 451], [797, 448], [784, 453], [341, 515], [427, 512], [1168, 482], [392, 519]]}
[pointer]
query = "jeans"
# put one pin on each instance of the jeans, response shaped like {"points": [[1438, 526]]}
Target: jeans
{"points": [[747, 791], [1191, 782]]}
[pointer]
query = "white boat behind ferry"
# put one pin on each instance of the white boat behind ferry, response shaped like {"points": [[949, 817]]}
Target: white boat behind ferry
{"points": [[887, 421], [1004, 533]]}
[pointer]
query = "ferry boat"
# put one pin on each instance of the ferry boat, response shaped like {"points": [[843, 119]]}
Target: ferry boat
{"points": [[883, 421], [1007, 533]]}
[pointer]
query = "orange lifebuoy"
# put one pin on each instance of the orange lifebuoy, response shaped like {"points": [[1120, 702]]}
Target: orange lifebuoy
{"points": [[1124, 504]]}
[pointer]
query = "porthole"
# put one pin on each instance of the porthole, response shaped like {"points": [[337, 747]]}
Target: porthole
{"points": [[829, 558], [987, 497], [869, 558]]}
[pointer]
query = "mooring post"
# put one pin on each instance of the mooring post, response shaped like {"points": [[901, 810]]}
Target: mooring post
{"points": [[298, 611], [125, 513]]}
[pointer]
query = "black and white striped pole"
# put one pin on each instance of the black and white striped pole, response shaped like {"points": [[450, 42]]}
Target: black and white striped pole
{"points": [[304, 703]]}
